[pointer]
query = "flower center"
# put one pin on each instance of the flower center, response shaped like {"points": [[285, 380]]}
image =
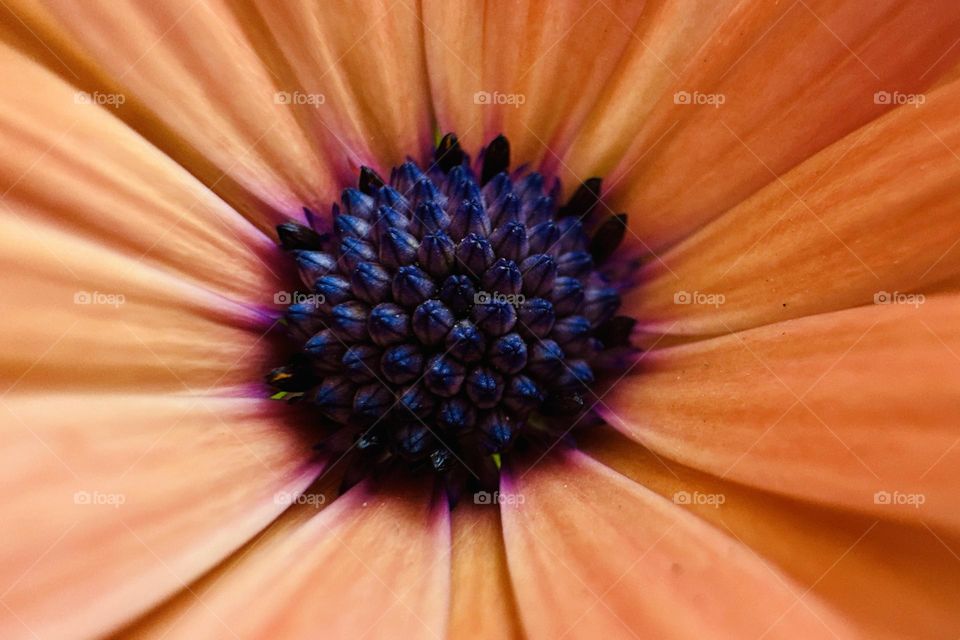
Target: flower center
{"points": [[453, 314]]}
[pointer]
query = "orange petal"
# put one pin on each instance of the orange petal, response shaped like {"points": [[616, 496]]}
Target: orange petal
{"points": [[367, 60], [872, 213], [194, 82], [831, 408], [371, 564], [81, 316], [85, 172], [889, 580], [526, 69], [594, 555], [122, 270], [113, 503], [666, 41], [794, 77], [482, 601]]}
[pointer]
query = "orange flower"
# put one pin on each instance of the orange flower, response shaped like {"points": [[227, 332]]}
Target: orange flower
{"points": [[780, 460]]}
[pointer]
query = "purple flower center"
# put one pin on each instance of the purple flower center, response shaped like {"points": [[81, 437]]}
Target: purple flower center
{"points": [[451, 314]]}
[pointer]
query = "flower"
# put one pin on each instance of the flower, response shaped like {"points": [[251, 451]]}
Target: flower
{"points": [[779, 460]]}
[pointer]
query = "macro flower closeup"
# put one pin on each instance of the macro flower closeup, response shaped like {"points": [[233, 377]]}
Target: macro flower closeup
{"points": [[504, 319]]}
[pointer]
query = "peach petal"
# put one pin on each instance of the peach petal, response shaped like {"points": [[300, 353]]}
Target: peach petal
{"points": [[113, 503], [80, 169], [795, 77], [666, 42], [889, 580], [595, 555], [81, 317], [367, 60], [872, 213], [194, 82], [371, 564], [122, 270], [482, 601], [831, 409], [303, 507], [542, 60]]}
